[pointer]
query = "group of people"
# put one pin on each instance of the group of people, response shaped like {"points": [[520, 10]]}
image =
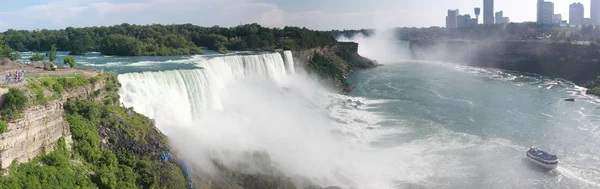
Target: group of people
{"points": [[16, 76]]}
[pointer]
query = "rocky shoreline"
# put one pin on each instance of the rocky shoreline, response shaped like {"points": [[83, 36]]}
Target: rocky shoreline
{"points": [[574, 62], [334, 64]]}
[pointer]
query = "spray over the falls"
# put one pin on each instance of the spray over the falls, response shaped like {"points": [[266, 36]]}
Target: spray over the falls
{"points": [[242, 104]]}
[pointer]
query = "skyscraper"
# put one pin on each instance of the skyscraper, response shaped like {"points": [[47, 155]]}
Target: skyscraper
{"points": [[576, 12], [540, 7], [547, 12], [488, 11], [595, 11], [452, 19]]}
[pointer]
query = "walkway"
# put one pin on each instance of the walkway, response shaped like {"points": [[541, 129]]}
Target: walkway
{"points": [[167, 156]]}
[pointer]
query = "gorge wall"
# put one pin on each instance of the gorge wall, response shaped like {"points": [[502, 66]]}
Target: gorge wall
{"points": [[574, 62], [333, 63], [39, 128]]}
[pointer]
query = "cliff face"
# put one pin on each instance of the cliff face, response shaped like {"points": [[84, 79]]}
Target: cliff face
{"points": [[39, 128], [577, 63], [334, 63]]}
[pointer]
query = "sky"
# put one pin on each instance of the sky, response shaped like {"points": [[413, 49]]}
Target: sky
{"points": [[313, 14]]}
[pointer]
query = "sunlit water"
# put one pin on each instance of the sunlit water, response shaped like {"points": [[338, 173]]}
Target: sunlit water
{"points": [[483, 121], [418, 125]]}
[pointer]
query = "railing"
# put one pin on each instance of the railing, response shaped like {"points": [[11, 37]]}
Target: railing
{"points": [[167, 156]]}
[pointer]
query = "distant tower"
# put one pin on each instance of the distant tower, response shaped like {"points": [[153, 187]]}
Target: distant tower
{"points": [[477, 13], [488, 11], [452, 18], [576, 14], [540, 11], [595, 11]]}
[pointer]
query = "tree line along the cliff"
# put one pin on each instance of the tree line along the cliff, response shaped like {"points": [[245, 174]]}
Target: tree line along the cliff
{"points": [[162, 40]]}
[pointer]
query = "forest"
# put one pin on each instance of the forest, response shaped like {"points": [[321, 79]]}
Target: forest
{"points": [[164, 40]]}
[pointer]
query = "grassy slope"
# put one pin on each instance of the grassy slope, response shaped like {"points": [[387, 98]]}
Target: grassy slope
{"points": [[129, 158]]}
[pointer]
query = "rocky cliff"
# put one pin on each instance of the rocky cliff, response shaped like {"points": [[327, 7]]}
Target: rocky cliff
{"points": [[333, 63], [39, 127], [577, 63]]}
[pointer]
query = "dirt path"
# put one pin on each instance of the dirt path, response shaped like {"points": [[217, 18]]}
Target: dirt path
{"points": [[36, 70]]}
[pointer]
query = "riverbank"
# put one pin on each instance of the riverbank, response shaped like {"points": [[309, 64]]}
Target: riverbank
{"points": [[334, 63], [574, 62]]}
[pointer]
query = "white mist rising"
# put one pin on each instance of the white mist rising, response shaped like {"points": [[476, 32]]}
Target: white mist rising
{"points": [[242, 104], [382, 46]]}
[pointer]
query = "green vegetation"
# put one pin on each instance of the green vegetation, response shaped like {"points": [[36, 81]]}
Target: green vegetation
{"points": [[7, 52], [51, 88], [53, 170], [324, 67], [130, 158], [14, 103], [160, 40], [3, 126], [69, 60], [593, 87], [37, 57], [51, 54]]}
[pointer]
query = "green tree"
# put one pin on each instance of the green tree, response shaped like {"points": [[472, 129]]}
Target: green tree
{"points": [[117, 44], [14, 103], [69, 60], [7, 52], [37, 57], [52, 53]]}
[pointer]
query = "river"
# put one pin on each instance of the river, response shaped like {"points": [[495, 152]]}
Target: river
{"points": [[407, 124]]}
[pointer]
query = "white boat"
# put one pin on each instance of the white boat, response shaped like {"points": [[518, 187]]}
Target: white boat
{"points": [[542, 158]]}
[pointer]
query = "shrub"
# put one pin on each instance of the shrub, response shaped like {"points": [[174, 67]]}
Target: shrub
{"points": [[58, 88], [3, 126], [14, 103]]}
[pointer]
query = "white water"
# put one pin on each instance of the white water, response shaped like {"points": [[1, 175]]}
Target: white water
{"points": [[241, 104], [289, 62]]}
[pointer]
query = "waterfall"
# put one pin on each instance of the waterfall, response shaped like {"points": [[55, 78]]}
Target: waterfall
{"points": [[289, 62], [189, 93], [239, 104]]}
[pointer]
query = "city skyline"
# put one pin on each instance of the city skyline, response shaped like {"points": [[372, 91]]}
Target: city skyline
{"points": [[313, 14]]}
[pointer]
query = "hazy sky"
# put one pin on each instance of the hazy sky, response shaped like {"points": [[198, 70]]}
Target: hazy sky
{"points": [[315, 14]]}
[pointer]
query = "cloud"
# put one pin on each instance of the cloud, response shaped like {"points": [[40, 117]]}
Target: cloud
{"points": [[81, 13]]}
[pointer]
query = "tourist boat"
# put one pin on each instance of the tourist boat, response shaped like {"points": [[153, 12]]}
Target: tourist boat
{"points": [[542, 158]]}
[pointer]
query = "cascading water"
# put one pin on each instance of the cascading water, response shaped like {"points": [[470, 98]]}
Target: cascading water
{"points": [[194, 91], [289, 62], [238, 104]]}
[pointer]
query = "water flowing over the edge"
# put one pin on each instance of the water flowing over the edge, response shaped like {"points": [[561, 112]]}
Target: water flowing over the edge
{"points": [[260, 103], [196, 90]]}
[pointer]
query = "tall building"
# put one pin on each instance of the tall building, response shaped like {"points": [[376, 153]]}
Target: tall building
{"points": [[540, 7], [556, 18], [452, 19], [500, 19], [488, 11], [595, 11], [547, 12], [576, 12], [477, 13]]}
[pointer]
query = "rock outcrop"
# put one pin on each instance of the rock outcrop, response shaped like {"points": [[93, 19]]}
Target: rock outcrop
{"points": [[35, 133], [334, 63], [574, 62], [39, 128]]}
